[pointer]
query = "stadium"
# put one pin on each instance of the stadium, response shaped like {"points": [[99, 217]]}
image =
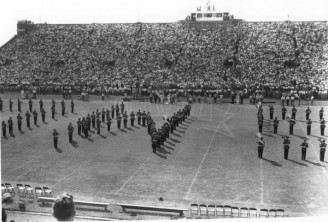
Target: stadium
{"points": [[197, 85]]}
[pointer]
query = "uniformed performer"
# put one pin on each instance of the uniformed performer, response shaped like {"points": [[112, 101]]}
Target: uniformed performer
{"points": [[107, 114], [323, 146], [260, 122], [43, 115], [88, 121], [19, 122], [103, 115], [30, 103], [275, 125], [307, 113], [41, 104], [19, 102], [125, 119], [308, 127], [98, 125], [27, 116], [117, 108], [1, 103], [35, 117], [261, 145], [79, 126], [122, 107], [286, 147], [86, 129], [113, 111], [139, 117], [53, 111], [10, 126], [283, 112], [322, 126], [63, 107], [154, 142], [70, 129], [291, 126], [109, 123], [119, 119], [10, 105], [93, 120], [321, 113], [72, 106], [144, 117], [271, 111], [4, 129], [55, 136], [132, 118], [294, 111], [304, 146]]}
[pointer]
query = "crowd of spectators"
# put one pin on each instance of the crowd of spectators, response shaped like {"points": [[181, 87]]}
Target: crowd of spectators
{"points": [[247, 56]]}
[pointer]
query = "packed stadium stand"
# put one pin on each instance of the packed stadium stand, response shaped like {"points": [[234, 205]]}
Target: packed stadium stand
{"points": [[272, 54]]}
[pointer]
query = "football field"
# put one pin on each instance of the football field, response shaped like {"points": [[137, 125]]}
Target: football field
{"points": [[211, 158]]}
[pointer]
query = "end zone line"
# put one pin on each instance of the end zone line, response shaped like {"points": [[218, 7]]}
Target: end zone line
{"points": [[310, 144], [201, 163], [128, 180]]}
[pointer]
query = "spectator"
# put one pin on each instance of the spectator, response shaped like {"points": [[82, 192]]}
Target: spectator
{"points": [[64, 208]]}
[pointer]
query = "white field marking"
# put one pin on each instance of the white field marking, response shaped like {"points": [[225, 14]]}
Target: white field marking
{"points": [[128, 180], [325, 172], [261, 178], [201, 163]]}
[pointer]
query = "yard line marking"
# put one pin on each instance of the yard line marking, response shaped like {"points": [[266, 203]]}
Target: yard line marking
{"points": [[310, 144], [261, 178], [128, 180], [201, 163]]}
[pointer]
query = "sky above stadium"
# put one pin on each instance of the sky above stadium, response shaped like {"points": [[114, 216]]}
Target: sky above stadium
{"points": [[121, 11]]}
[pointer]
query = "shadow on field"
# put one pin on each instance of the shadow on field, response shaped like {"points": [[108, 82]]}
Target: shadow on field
{"points": [[161, 156], [58, 150], [269, 135], [162, 150], [74, 144], [22, 132], [5, 137], [30, 128], [274, 163], [183, 127], [174, 140], [302, 137], [130, 129], [13, 135], [172, 144], [316, 164], [180, 131], [102, 136], [113, 133], [123, 130], [55, 119], [176, 135], [302, 164], [170, 148], [136, 127]]}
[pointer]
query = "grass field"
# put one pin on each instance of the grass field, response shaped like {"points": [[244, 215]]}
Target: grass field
{"points": [[211, 158]]}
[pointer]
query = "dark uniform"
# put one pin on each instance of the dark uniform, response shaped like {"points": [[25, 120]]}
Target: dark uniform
{"points": [[1, 103], [307, 113], [322, 126], [10, 105], [35, 117], [4, 129], [43, 115], [283, 112], [154, 143], [261, 145], [139, 117], [119, 119], [260, 122], [63, 107], [55, 136], [286, 147], [132, 118], [10, 126], [117, 108], [271, 111], [53, 111], [30, 103], [41, 104], [72, 106], [308, 127], [275, 125], [304, 146], [86, 129], [321, 113], [88, 121], [294, 111], [323, 146], [93, 120], [109, 122], [98, 125], [19, 105], [113, 111], [27, 116], [125, 119], [79, 126], [107, 114], [122, 107], [103, 115], [19, 122], [70, 129], [291, 126], [144, 117]]}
